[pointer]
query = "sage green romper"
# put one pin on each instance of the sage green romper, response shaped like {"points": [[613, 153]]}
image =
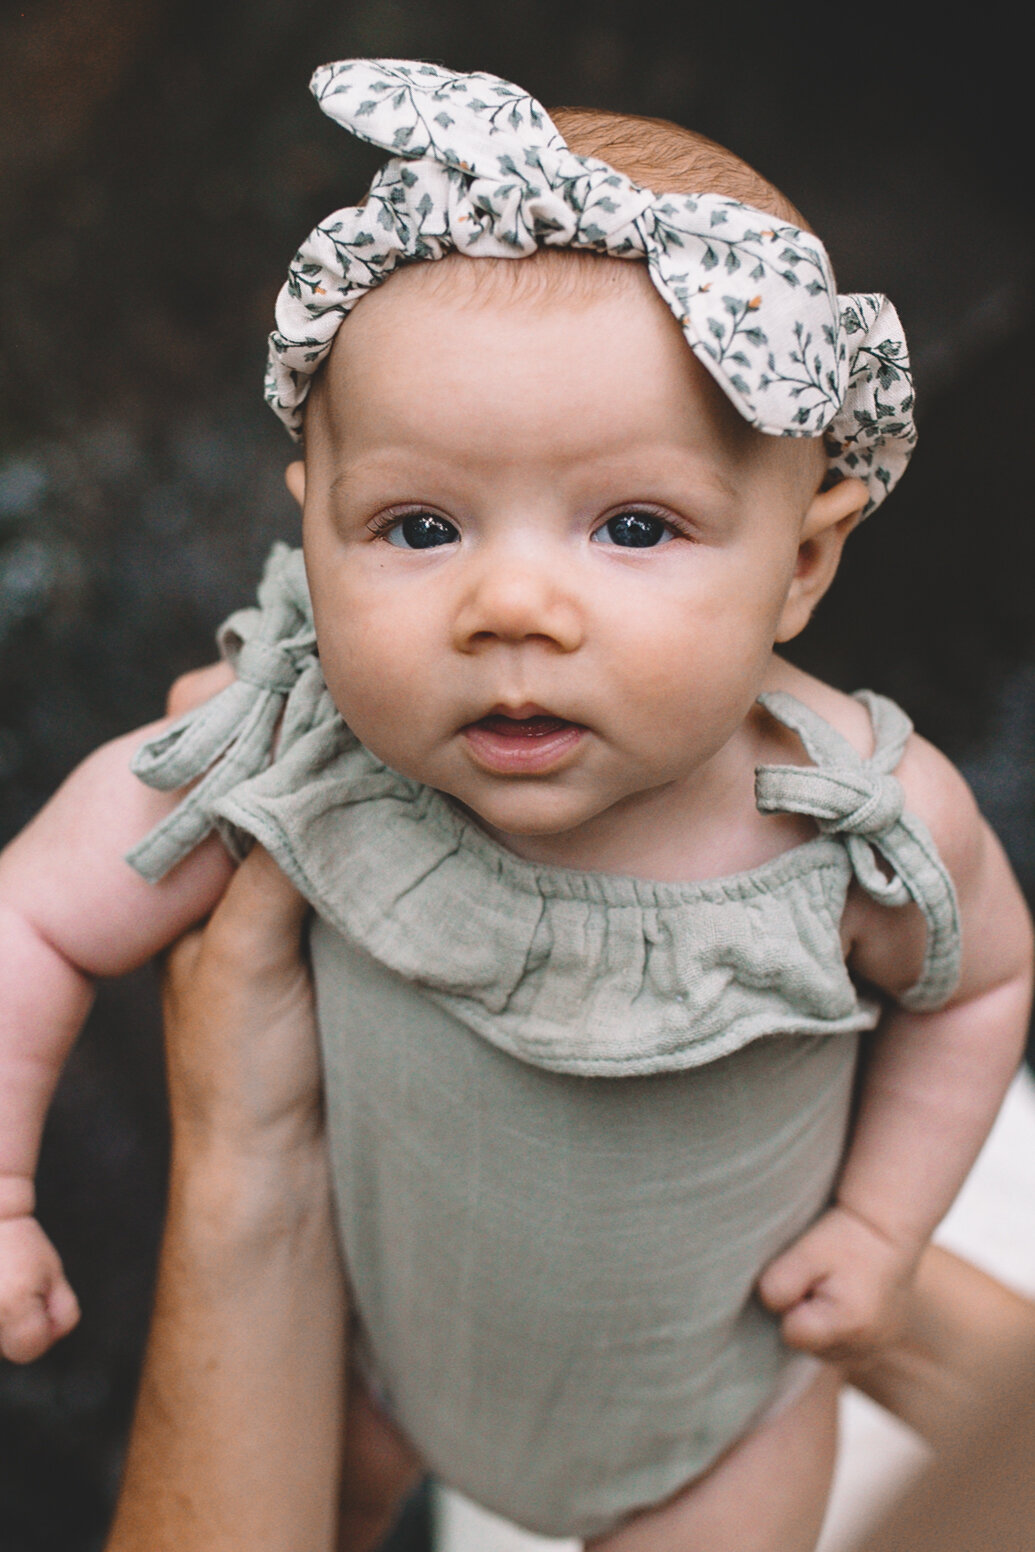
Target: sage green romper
{"points": [[572, 1115]]}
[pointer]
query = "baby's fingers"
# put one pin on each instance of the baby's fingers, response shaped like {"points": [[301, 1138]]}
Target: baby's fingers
{"points": [[37, 1306], [817, 1324], [62, 1309], [789, 1279], [841, 1329]]}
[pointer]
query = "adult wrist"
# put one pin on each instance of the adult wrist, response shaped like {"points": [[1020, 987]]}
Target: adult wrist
{"points": [[249, 1138], [223, 1191]]}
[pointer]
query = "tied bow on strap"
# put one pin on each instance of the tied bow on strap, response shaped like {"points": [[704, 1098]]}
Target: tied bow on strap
{"points": [[846, 795], [230, 738], [477, 166], [862, 802]]}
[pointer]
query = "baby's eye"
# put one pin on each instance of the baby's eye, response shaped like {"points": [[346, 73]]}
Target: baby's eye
{"points": [[634, 530], [420, 531]]}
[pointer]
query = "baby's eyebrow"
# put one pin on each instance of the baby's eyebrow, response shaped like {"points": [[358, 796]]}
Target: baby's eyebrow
{"points": [[712, 482], [673, 467], [342, 481], [699, 482], [377, 465]]}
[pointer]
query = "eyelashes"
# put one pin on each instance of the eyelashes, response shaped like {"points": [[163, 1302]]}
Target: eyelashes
{"points": [[634, 527], [420, 530]]}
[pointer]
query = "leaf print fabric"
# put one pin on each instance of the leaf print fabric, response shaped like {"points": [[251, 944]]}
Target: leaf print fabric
{"points": [[477, 166]]}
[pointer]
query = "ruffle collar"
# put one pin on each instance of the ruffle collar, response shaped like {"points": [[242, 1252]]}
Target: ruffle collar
{"points": [[580, 972]]}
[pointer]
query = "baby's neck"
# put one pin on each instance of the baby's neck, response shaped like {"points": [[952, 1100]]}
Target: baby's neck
{"points": [[681, 832]]}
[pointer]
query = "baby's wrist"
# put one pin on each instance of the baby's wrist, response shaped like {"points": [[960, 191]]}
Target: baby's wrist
{"points": [[17, 1196], [904, 1238]]}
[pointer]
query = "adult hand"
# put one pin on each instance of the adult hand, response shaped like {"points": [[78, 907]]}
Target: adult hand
{"points": [[241, 1045], [237, 1438], [963, 1375]]}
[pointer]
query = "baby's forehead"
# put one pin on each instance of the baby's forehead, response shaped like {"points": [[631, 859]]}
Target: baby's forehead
{"points": [[565, 302], [423, 306], [499, 308], [562, 278]]}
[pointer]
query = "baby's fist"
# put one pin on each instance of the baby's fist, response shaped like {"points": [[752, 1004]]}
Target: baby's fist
{"points": [[840, 1289], [37, 1306]]}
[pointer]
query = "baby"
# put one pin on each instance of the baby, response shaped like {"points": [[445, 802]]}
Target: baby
{"points": [[605, 891]]}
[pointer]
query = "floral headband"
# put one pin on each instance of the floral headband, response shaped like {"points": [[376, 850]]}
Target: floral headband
{"points": [[478, 167]]}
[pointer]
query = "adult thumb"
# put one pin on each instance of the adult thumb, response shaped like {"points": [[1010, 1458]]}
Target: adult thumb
{"points": [[261, 915]]}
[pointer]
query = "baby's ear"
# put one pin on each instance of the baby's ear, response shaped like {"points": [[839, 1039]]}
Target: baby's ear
{"points": [[294, 479], [830, 518]]}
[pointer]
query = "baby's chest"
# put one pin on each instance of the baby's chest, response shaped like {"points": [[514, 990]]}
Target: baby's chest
{"points": [[442, 1137]]}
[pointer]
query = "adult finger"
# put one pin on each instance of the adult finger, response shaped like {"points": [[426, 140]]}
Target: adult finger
{"points": [[257, 926], [241, 1043]]}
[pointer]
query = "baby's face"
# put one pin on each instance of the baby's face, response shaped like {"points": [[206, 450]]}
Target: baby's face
{"points": [[548, 561]]}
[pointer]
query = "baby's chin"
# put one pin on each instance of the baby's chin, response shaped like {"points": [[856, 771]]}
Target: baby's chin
{"points": [[559, 829], [528, 814], [510, 808]]}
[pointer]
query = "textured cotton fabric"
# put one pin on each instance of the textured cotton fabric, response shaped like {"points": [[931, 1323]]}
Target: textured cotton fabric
{"points": [[478, 167], [571, 1115], [553, 1274]]}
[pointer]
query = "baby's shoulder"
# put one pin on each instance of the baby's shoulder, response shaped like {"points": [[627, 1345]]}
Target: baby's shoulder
{"points": [[934, 789], [842, 712]]}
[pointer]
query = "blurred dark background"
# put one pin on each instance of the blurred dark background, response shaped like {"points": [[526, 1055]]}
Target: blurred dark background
{"points": [[160, 160]]}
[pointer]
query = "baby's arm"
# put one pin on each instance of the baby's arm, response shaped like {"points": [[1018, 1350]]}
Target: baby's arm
{"points": [[931, 1088], [71, 909]]}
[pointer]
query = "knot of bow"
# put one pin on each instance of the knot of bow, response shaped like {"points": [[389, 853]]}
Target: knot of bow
{"points": [[276, 693], [864, 803]]}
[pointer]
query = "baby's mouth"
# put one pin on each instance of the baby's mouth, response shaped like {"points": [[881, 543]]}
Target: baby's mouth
{"points": [[524, 740], [537, 726]]}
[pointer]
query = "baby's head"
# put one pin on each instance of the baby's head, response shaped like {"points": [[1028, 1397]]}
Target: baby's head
{"points": [[549, 557], [652, 152]]}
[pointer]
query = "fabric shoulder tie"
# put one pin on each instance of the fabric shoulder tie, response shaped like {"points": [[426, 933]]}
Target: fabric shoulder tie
{"points": [[278, 694], [862, 802]]}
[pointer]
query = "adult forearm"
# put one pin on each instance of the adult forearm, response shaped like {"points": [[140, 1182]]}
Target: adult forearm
{"points": [[238, 1434], [964, 1333]]}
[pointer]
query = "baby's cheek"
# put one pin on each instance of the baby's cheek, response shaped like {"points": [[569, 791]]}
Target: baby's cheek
{"points": [[345, 670], [376, 696]]}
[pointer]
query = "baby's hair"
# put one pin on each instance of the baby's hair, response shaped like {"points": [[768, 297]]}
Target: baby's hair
{"points": [[670, 159]]}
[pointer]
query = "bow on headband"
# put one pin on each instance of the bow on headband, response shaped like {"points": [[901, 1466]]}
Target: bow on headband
{"points": [[478, 167]]}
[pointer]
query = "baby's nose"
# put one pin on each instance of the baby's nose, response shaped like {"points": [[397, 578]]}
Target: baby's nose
{"points": [[515, 599]]}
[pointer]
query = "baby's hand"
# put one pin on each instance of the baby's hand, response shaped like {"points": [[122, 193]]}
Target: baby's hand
{"points": [[841, 1288], [37, 1306]]}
